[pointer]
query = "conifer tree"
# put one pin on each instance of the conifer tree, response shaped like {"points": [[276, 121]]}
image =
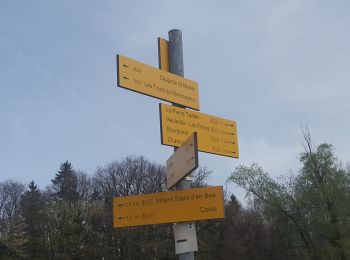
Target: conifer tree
{"points": [[32, 206], [65, 183]]}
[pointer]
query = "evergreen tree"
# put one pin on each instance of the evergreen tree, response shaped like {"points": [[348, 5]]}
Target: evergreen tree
{"points": [[32, 206], [66, 183]]}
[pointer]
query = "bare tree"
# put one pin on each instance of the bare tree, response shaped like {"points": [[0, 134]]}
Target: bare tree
{"points": [[84, 188], [200, 176], [12, 235], [130, 176], [10, 196]]}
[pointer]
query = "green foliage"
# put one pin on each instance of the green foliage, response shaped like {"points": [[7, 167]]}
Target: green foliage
{"points": [[32, 206], [311, 209], [13, 239], [301, 216], [72, 229], [65, 183]]}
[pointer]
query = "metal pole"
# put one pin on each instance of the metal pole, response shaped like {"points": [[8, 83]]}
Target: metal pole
{"points": [[176, 66]]}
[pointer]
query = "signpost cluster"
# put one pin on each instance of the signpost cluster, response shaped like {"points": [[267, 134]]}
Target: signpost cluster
{"points": [[189, 131]]}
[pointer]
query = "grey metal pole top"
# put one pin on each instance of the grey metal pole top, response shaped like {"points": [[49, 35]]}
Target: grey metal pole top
{"points": [[176, 65]]}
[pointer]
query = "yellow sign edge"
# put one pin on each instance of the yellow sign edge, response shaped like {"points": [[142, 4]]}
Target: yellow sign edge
{"points": [[163, 48]]}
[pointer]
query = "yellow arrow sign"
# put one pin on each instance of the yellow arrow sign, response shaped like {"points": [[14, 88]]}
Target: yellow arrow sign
{"points": [[148, 80], [168, 207], [215, 135]]}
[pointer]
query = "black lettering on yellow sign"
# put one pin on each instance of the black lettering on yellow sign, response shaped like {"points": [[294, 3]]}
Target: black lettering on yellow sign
{"points": [[168, 207], [215, 135], [145, 79]]}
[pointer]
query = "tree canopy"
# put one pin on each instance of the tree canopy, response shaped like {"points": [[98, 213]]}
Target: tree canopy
{"points": [[304, 215], [311, 208]]}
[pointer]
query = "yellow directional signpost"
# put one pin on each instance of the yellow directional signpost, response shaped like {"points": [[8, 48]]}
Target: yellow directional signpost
{"points": [[215, 135], [168, 207], [189, 130], [145, 79]]}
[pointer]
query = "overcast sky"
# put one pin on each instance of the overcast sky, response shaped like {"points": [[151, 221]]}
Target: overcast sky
{"points": [[272, 66]]}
